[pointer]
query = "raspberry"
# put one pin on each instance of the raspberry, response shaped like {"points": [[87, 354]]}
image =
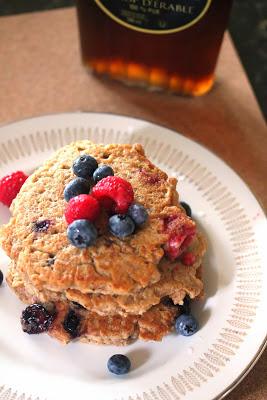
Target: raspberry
{"points": [[188, 259], [10, 186], [83, 206], [181, 231], [116, 189]]}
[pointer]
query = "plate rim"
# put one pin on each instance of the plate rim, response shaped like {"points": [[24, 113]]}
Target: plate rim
{"points": [[263, 345], [151, 122]]}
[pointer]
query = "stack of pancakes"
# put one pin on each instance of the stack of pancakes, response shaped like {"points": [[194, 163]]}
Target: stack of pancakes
{"points": [[118, 287]]}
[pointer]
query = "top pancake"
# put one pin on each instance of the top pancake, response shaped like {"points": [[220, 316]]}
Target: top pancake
{"points": [[111, 266]]}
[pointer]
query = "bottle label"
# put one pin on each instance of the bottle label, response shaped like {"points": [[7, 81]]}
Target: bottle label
{"points": [[155, 16]]}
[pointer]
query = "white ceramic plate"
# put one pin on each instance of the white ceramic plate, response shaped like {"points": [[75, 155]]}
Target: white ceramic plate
{"points": [[232, 318]]}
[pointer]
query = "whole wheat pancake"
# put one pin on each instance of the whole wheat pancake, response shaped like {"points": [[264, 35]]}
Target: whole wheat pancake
{"points": [[118, 284]]}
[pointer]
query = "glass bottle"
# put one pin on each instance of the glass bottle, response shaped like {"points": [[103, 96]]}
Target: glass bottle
{"points": [[172, 44]]}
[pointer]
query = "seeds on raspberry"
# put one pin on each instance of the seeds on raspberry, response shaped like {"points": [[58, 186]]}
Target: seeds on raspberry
{"points": [[10, 186], [188, 259], [116, 189], [83, 206]]}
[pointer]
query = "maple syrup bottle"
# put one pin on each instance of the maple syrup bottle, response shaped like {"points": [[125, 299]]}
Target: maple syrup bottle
{"points": [[171, 44]]}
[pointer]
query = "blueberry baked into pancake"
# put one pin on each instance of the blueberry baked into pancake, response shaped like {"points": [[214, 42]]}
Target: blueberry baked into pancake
{"points": [[101, 249]]}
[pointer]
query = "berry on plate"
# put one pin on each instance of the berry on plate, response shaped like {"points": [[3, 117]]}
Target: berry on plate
{"points": [[83, 206], [116, 190], [84, 166], [121, 225], [82, 233], [187, 208], [138, 213], [119, 364], [75, 187], [36, 319], [1, 277], [102, 172], [10, 186], [186, 325]]}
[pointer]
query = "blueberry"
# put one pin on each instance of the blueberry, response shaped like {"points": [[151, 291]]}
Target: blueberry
{"points": [[138, 213], [186, 325], [119, 364], [121, 225], [186, 308], [1, 277], [167, 301], [102, 172], [41, 226], [84, 166], [82, 233], [36, 319], [71, 323], [76, 187], [187, 208]]}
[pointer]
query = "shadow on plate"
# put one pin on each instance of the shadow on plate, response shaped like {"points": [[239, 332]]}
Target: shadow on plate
{"points": [[138, 357]]}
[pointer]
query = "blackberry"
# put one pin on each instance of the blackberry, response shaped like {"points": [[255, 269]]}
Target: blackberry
{"points": [[71, 323], [36, 319]]}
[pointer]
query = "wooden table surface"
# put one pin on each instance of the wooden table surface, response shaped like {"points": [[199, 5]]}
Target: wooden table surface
{"points": [[41, 73]]}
